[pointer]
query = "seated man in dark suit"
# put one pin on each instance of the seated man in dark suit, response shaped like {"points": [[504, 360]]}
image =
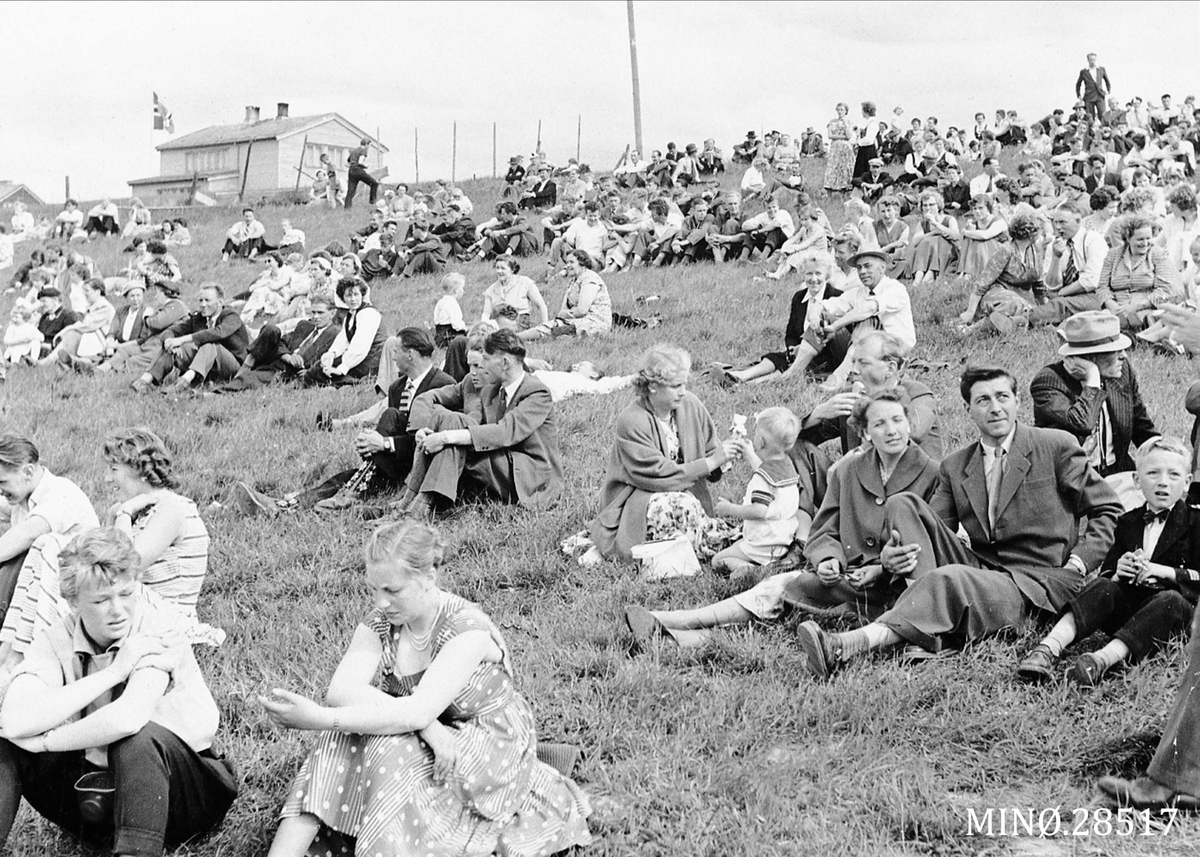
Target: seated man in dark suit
{"points": [[1093, 393], [456, 230], [542, 193], [274, 355], [210, 345], [873, 182], [505, 444], [386, 451], [1148, 583], [1019, 493]]}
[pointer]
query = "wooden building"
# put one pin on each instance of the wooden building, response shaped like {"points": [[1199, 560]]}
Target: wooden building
{"points": [[213, 161], [11, 192]]}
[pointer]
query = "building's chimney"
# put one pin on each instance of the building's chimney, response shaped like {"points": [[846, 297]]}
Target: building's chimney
{"points": [[251, 115], [281, 110]]}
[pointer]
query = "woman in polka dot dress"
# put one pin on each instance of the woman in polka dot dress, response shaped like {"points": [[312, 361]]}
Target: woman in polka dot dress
{"points": [[440, 757]]}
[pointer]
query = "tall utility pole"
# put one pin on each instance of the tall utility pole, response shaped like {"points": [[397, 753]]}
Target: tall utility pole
{"points": [[637, 90]]}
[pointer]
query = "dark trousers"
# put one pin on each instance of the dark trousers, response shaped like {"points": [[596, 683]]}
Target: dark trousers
{"points": [[166, 793], [1176, 763], [105, 225], [770, 240], [424, 262], [521, 244], [251, 246], [391, 468], [316, 377], [1095, 108], [358, 175], [1141, 618]]}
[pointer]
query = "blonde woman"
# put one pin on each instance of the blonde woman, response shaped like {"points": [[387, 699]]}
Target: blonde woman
{"points": [[440, 753]]}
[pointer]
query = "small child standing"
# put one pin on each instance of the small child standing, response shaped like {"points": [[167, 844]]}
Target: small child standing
{"points": [[1148, 582], [22, 339], [447, 315], [772, 501]]}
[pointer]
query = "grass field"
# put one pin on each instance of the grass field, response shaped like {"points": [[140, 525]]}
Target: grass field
{"points": [[727, 750]]}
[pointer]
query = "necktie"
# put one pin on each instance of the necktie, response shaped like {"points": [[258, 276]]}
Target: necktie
{"points": [[994, 478], [502, 408], [1070, 273], [406, 396], [991, 185]]}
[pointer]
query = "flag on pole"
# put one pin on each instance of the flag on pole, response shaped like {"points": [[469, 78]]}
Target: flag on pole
{"points": [[163, 120]]}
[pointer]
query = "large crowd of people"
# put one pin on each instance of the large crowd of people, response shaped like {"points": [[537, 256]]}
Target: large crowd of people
{"points": [[854, 511]]}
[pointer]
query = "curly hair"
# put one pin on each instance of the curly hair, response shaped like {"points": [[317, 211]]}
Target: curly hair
{"points": [[413, 545], [144, 452], [662, 364], [858, 414], [1023, 225], [1131, 223], [1135, 199], [101, 555]]}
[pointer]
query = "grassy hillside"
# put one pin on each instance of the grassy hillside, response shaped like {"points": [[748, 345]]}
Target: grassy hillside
{"points": [[729, 750]]}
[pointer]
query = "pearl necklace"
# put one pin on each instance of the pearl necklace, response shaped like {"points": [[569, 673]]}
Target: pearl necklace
{"points": [[420, 643]]}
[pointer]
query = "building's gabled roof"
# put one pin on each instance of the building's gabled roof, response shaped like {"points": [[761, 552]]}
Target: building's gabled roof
{"points": [[183, 177], [7, 189], [266, 129]]}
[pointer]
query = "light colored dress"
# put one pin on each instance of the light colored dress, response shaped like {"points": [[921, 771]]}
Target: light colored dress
{"points": [[976, 254], [598, 320], [375, 794], [839, 165], [933, 253], [515, 295]]}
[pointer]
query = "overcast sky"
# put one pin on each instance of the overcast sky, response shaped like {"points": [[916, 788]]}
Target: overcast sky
{"points": [[80, 75]]}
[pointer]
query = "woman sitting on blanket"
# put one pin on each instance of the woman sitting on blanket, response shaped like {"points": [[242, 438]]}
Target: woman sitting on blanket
{"points": [[816, 271], [164, 526], [665, 453], [843, 546], [440, 755]]}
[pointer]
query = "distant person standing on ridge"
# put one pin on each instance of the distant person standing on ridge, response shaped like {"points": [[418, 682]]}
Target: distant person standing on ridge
{"points": [[358, 174], [1093, 87]]}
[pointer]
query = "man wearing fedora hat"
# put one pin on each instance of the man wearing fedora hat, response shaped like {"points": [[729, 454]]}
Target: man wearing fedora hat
{"points": [[1092, 392], [1020, 494], [746, 151]]}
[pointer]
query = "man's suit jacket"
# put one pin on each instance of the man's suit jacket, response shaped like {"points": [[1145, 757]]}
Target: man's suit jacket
{"points": [[1178, 546], [311, 353], [229, 331], [1047, 487], [434, 379], [1087, 88], [528, 434], [1061, 401]]}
